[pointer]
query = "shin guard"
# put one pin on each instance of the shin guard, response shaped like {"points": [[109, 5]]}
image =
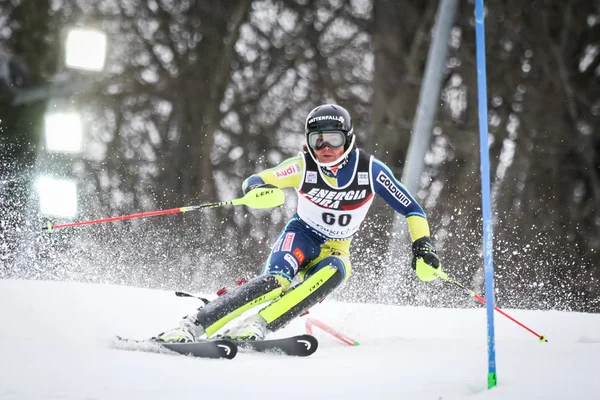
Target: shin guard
{"points": [[302, 297], [222, 310]]}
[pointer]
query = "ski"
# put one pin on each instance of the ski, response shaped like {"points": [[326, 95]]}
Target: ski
{"points": [[220, 348], [299, 346]]}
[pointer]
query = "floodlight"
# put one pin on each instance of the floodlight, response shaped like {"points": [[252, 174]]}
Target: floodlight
{"points": [[63, 132], [58, 197], [85, 49]]}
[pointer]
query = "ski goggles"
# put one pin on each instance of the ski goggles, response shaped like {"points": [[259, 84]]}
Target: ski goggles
{"points": [[333, 139]]}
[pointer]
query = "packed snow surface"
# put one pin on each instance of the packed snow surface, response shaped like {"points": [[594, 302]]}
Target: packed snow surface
{"points": [[56, 342]]}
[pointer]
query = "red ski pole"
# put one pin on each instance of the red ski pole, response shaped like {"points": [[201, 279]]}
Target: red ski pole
{"points": [[310, 322], [257, 198], [445, 277]]}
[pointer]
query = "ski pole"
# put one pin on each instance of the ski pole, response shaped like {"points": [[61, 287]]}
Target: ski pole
{"points": [[446, 278], [310, 322], [184, 294], [257, 198], [220, 292]]}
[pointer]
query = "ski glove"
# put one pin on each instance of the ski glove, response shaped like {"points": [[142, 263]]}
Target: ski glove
{"points": [[425, 262]]}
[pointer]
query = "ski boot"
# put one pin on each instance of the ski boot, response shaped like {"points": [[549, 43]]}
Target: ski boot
{"points": [[188, 331], [252, 328]]}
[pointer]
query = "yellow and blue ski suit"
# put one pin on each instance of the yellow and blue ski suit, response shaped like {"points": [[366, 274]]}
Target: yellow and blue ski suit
{"points": [[315, 243]]}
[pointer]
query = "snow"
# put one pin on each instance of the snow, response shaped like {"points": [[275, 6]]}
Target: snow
{"points": [[56, 342]]}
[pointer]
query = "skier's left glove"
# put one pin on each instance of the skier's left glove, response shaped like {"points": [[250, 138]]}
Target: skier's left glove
{"points": [[425, 261]]}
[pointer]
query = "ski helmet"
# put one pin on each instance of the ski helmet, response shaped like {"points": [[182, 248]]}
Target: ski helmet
{"points": [[330, 118]]}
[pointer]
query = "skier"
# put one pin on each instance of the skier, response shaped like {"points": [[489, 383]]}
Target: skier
{"points": [[336, 183]]}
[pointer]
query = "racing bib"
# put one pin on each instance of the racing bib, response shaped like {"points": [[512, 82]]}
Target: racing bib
{"points": [[335, 212]]}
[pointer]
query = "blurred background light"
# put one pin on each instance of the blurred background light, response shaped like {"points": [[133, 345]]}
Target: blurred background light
{"points": [[85, 49], [63, 132], [58, 197]]}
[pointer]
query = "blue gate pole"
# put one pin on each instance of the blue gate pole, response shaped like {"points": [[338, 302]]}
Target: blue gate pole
{"points": [[488, 260]]}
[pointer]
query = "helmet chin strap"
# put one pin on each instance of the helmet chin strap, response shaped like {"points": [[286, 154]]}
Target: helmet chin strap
{"points": [[336, 162]]}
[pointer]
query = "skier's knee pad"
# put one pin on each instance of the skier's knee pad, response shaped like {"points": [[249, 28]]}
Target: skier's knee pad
{"points": [[283, 281], [258, 290], [303, 296], [327, 261]]}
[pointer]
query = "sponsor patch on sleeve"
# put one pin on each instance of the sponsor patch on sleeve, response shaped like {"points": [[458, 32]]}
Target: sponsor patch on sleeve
{"points": [[393, 189], [284, 172]]}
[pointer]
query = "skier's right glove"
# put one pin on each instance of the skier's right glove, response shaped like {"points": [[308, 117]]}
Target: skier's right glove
{"points": [[425, 261]]}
